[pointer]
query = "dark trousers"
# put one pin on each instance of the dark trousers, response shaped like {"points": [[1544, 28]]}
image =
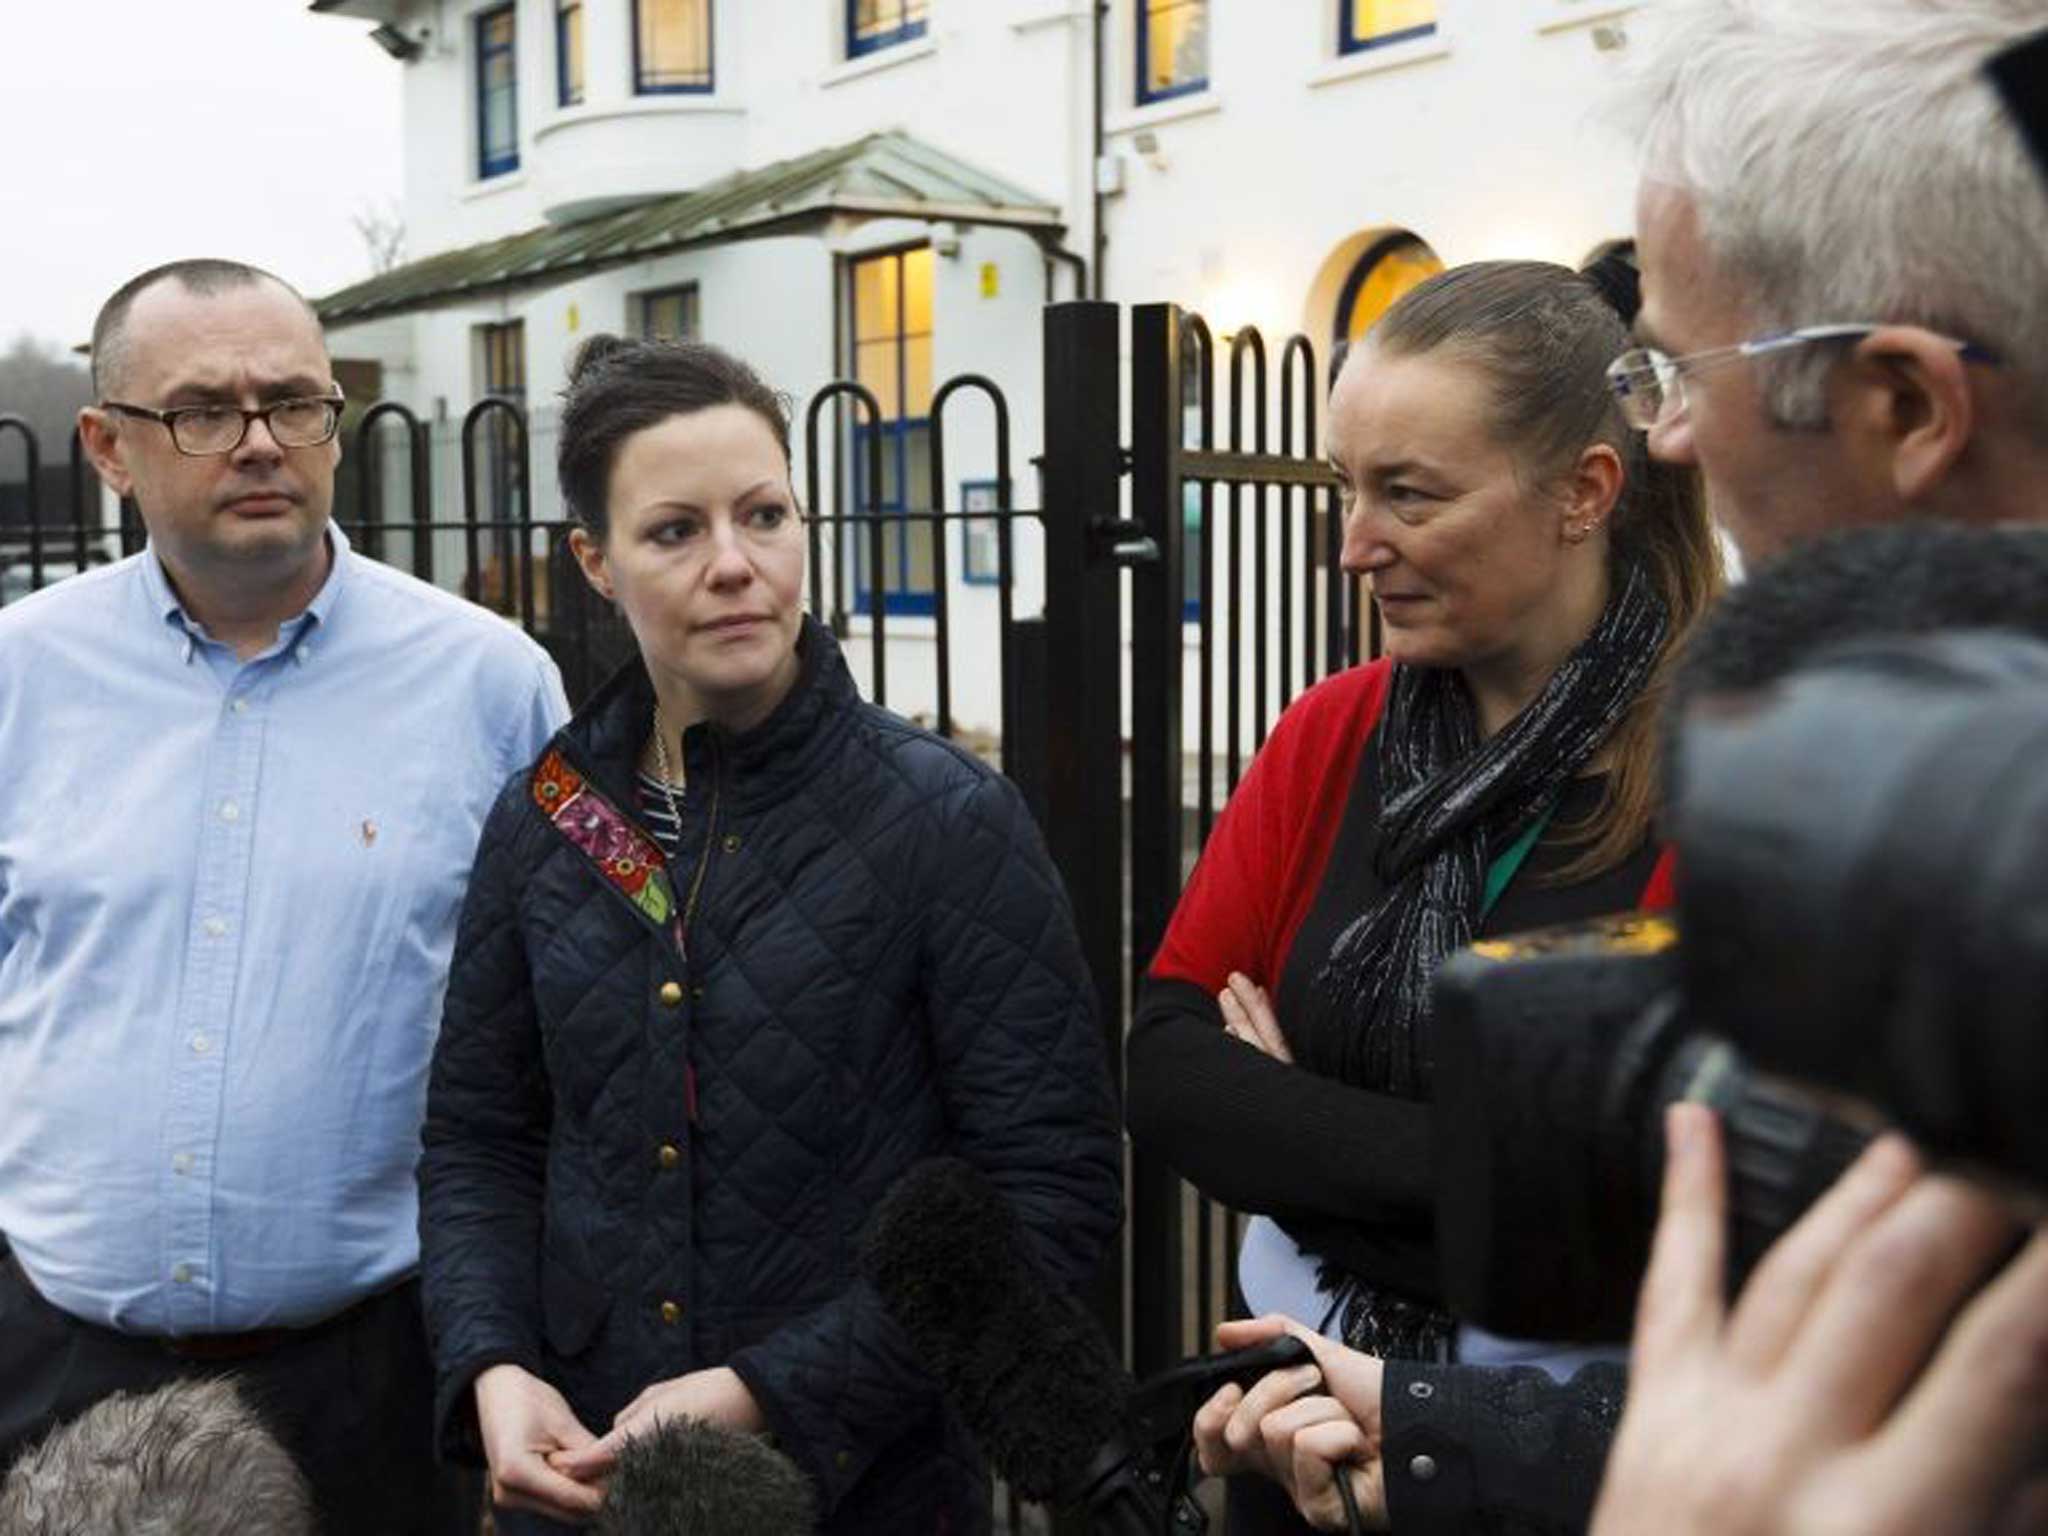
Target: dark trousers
{"points": [[351, 1399]]}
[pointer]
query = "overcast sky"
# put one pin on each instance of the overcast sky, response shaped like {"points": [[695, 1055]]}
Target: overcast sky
{"points": [[137, 131]]}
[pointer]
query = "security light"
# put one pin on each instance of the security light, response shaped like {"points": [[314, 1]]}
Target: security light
{"points": [[396, 43]]}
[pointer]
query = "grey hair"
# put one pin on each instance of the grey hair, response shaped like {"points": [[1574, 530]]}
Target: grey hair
{"points": [[203, 275], [1851, 162], [191, 1459]]}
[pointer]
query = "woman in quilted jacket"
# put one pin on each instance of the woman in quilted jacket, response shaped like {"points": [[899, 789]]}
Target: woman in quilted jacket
{"points": [[738, 950]]}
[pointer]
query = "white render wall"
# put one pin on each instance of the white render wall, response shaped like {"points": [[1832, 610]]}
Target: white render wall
{"points": [[992, 82], [1259, 193], [1248, 201], [1484, 139]]}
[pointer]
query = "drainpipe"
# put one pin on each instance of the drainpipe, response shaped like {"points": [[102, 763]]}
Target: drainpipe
{"points": [[1074, 261]]}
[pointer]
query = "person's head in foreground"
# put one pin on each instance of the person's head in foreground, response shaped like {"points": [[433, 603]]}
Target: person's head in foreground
{"points": [[191, 1459], [1844, 251]]}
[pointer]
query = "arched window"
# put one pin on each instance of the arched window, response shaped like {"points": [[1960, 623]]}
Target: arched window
{"points": [[1387, 270]]}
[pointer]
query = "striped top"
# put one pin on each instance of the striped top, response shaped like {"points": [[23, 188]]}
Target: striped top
{"points": [[655, 814]]}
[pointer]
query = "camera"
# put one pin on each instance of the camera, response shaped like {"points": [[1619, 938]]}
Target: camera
{"points": [[1861, 938]]}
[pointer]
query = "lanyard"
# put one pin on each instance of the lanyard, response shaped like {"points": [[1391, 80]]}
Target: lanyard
{"points": [[1502, 870]]}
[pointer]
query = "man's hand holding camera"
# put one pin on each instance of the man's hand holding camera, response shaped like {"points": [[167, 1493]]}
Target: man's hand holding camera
{"points": [[1857, 1384]]}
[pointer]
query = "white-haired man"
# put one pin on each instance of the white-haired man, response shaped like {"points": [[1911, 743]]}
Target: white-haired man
{"points": [[1844, 254], [1844, 249], [1836, 207]]}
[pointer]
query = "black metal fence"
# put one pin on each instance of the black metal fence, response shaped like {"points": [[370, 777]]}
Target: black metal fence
{"points": [[41, 538], [1203, 571], [1235, 602], [1248, 532]]}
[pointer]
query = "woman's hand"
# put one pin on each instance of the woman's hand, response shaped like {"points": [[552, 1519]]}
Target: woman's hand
{"points": [[1248, 1015], [717, 1396], [1227, 1428], [1303, 1443], [525, 1425]]}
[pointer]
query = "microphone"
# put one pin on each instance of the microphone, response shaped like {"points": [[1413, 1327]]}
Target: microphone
{"points": [[689, 1477], [1028, 1370]]}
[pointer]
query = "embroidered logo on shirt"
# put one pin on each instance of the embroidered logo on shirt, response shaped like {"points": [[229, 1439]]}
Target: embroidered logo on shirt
{"points": [[628, 857]]}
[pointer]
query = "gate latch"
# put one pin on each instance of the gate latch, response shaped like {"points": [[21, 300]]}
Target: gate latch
{"points": [[1122, 541]]}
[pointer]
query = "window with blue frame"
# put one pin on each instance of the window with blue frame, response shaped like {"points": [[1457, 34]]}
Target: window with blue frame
{"points": [[1173, 48], [1363, 24], [892, 356], [569, 52], [671, 46], [497, 93], [874, 24]]}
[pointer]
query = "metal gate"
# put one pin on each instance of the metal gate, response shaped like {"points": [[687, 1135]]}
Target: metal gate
{"points": [[1216, 565]]}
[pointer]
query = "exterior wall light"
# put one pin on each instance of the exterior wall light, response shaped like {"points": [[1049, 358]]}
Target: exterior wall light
{"points": [[396, 43]]}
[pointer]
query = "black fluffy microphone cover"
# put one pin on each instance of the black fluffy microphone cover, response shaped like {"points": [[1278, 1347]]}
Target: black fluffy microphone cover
{"points": [[690, 1478], [1023, 1365]]}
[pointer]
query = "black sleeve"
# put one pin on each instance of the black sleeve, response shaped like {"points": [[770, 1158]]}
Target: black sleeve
{"points": [[1023, 1074], [1264, 1136], [484, 1143], [1493, 1451]]}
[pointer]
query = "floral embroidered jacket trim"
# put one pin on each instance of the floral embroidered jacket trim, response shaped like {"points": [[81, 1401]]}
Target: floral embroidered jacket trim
{"points": [[626, 856]]}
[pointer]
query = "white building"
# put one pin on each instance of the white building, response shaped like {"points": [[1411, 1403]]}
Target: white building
{"points": [[891, 189]]}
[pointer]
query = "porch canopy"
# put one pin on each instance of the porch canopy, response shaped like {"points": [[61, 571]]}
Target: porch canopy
{"points": [[884, 175]]}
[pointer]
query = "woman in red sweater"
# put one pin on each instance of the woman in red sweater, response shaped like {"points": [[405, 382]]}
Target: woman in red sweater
{"points": [[1534, 572]]}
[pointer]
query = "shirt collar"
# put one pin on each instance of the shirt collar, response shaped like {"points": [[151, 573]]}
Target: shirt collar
{"points": [[163, 597]]}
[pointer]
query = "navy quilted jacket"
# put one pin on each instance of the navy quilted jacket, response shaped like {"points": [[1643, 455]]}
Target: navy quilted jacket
{"points": [[665, 1099]]}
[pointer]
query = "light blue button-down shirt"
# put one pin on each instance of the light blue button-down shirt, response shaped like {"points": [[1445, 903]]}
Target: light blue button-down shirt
{"points": [[228, 893]]}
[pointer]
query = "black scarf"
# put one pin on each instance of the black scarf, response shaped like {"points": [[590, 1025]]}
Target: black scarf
{"points": [[1449, 805]]}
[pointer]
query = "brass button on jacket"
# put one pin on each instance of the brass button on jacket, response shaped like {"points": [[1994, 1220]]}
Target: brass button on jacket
{"points": [[671, 993], [668, 1156], [671, 1313]]}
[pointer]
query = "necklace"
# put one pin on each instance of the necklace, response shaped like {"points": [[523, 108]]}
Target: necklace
{"points": [[668, 792]]}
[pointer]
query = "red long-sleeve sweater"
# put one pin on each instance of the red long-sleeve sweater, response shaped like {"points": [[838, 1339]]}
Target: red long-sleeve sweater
{"points": [[1287, 866]]}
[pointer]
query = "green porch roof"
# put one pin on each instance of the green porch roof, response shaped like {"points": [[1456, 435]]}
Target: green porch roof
{"points": [[885, 175]]}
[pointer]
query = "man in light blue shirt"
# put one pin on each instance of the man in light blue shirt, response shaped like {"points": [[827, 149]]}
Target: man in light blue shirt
{"points": [[245, 774]]}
